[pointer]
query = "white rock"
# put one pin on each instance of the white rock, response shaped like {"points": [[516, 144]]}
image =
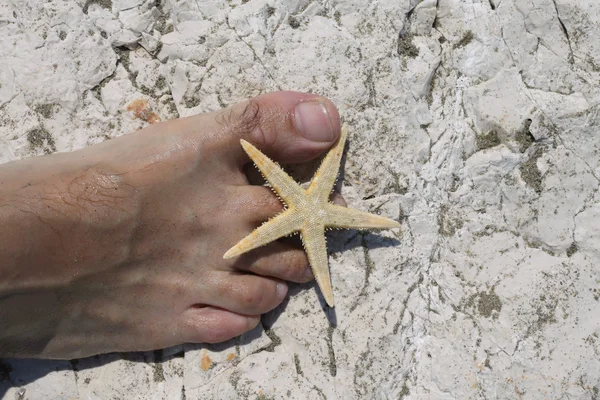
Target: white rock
{"points": [[114, 94], [205, 363], [424, 15], [149, 42], [474, 123], [139, 20], [38, 379], [121, 5], [586, 233]]}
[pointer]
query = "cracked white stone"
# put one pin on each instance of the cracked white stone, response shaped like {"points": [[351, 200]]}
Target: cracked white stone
{"points": [[149, 42], [476, 120]]}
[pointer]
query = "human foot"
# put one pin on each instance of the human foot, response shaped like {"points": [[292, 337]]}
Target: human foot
{"points": [[118, 247]]}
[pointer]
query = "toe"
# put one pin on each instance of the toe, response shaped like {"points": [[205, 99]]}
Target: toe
{"points": [[286, 126], [277, 260], [212, 325], [242, 293], [256, 203], [337, 199]]}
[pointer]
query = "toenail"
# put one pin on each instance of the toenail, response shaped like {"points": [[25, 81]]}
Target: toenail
{"points": [[308, 274], [313, 122], [281, 290], [252, 322]]}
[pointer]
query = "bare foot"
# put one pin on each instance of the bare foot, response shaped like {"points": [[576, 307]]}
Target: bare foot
{"points": [[119, 246]]}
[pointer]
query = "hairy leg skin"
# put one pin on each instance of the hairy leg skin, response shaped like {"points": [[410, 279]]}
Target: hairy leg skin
{"points": [[119, 246]]}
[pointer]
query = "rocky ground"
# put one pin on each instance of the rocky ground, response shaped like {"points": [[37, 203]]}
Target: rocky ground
{"points": [[475, 122]]}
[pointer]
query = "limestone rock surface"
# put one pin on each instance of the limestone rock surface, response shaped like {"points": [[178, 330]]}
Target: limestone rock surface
{"points": [[474, 122]]}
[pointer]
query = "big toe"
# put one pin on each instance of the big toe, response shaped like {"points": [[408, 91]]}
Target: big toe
{"points": [[286, 126]]}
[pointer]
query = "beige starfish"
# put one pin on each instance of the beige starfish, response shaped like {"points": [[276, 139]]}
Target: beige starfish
{"points": [[308, 212]]}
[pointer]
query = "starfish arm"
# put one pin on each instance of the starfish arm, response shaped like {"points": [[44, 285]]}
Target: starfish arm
{"points": [[313, 238], [323, 181], [282, 225], [285, 187], [341, 217]]}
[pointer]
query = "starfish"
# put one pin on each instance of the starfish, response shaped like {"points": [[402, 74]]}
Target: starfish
{"points": [[308, 212]]}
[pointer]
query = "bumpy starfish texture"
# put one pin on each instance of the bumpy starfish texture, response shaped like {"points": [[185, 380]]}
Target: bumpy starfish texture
{"points": [[308, 212]]}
